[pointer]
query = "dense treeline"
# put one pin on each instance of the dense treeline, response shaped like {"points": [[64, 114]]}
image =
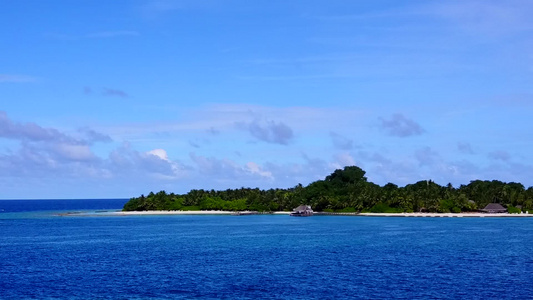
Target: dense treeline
{"points": [[348, 190]]}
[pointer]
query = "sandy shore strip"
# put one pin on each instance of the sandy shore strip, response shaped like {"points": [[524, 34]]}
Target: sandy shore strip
{"points": [[174, 212], [194, 212], [446, 215], [244, 213]]}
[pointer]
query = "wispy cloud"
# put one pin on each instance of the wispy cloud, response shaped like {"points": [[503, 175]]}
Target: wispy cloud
{"points": [[87, 90], [298, 117], [199, 142], [157, 8], [128, 162], [342, 160], [486, 17], [268, 131], [161, 6], [93, 35], [500, 155], [16, 78], [43, 160], [48, 146], [194, 144], [222, 169], [72, 152], [94, 136], [275, 125], [426, 156], [475, 16], [513, 100], [211, 130], [114, 93], [465, 148], [297, 77], [30, 131], [340, 141], [108, 92], [399, 125], [112, 34]]}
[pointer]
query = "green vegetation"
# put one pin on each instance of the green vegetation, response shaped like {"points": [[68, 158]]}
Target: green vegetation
{"points": [[513, 210], [347, 190], [384, 208]]}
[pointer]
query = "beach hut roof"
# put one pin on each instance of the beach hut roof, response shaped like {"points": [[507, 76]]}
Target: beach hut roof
{"points": [[303, 208], [494, 206]]}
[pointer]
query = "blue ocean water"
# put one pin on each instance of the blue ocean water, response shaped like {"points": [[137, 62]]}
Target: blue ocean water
{"points": [[45, 256], [9, 206]]}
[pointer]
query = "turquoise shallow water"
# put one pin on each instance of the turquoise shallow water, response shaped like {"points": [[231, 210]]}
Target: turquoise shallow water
{"points": [[44, 256]]}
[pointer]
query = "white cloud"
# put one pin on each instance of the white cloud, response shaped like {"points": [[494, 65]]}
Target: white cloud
{"points": [[128, 162], [218, 168], [161, 153], [74, 152], [342, 160], [255, 169]]}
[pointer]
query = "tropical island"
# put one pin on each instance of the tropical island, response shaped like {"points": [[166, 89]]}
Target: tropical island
{"points": [[348, 191]]}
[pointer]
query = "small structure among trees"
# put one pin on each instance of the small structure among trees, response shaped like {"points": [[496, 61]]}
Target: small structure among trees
{"points": [[302, 211], [494, 208]]}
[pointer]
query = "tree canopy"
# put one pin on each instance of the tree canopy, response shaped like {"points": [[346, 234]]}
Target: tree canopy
{"points": [[347, 190]]}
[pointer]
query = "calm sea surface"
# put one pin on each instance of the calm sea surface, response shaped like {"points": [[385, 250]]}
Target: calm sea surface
{"points": [[46, 256]]}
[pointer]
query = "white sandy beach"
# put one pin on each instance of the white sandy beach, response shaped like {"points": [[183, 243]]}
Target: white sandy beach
{"points": [[190, 212], [419, 215], [445, 215]]}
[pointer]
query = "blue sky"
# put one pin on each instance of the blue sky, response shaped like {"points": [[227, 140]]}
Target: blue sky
{"points": [[119, 98]]}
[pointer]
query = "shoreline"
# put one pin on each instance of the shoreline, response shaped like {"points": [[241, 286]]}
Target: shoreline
{"points": [[246, 213], [446, 215], [195, 212]]}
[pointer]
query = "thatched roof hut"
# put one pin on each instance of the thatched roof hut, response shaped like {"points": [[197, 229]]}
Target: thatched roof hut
{"points": [[302, 210], [493, 208]]}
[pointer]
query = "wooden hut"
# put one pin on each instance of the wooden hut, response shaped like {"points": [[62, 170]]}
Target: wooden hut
{"points": [[494, 208], [302, 211]]}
